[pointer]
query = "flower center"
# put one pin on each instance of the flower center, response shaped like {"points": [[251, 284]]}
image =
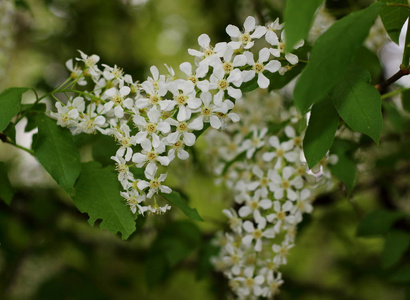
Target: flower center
{"points": [[280, 152], [223, 84], [254, 205], [151, 127], [154, 184], [152, 156], [286, 184], [206, 111], [208, 52], [245, 38], [257, 234], [182, 126], [181, 99], [154, 99], [117, 99], [264, 181], [258, 67], [281, 215], [227, 66]]}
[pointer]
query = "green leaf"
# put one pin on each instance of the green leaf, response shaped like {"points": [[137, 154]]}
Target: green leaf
{"points": [[175, 199], [397, 243], [369, 60], [320, 132], [10, 102], [6, 190], [379, 222], [278, 81], [32, 111], [103, 148], [393, 18], [405, 100], [298, 19], [359, 103], [54, 148], [332, 54], [402, 275], [345, 168], [97, 193]]}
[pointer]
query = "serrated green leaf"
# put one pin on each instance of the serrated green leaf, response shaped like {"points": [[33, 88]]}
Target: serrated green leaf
{"points": [[405, 100], [97, 193], [393, 18], [397, 243], [378, 222], [10, 102], [298, 19], [332, 54], [54, 148], [345, 168], [175, 199], [6, 190], [320, 132], [358, 103]]}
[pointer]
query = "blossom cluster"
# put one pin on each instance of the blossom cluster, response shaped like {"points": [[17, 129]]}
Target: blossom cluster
{"points": [[7, 13], [271, 188], [156, 120]]}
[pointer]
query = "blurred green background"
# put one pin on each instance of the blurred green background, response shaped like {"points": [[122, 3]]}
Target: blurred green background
{"points": [[47, 248]]}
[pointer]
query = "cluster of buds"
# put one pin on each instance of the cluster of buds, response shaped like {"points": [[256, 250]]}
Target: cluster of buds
{"points": [[272, 189], [156, 120]]}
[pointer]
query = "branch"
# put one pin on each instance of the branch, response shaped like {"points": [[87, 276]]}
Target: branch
{"points": [[399, 74]]}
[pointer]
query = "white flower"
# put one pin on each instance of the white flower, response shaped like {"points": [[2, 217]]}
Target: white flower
{"points": [[251, 31], [280, 48], [209, 113], [256, 142], [154, 184], [282, 151], [259, 66], [253, 204], [90, 64], [281, 215], [251, 284], [219, 82], [282, 251], [284, 183], [125, 140], [117, 99], [178, 148], [200, 72], [256, 234], [184, 97]]}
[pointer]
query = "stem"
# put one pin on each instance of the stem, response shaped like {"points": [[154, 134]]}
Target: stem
{"points": [[399, 74], [398, 4], [394, 93], [20, 147]]}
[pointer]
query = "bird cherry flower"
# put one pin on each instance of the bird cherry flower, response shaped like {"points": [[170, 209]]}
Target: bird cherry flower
{"points": [[245, 39], [254, 204], [90, 63], [208, 54], [150, 129], [209, 113], [133, 199], [151, 157], [279, 48], [281, 215], [157, 80], [273, 284], [124, 174], [118, 100], [125, 140], [281, 184], [257, 233], [184, 130], [251, 283], [238, 60], [255, 142], [235, 222], [283, 152], [153, 98], [76, 72], [259, 66], [200, 72], [263, 181], [155, 183], [65, 116], [178, 148], [222, 84], [282, 251], [184, 98]]}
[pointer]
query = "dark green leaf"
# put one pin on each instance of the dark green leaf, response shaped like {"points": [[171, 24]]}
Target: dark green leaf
{"points": [[320, 132], [393, 18], [97, 193], [332, 54], [205, 267], [359, 103], [396, 118], [345, 168], [298, 19], [278, 81], [405, 100], [379, 222], [6, 190], [369, 60], [402, 275], [54, 148], [103, 148], [175, 199], [10, 132], [31, 115], [156, 269], [397, 243], [10, 102]]}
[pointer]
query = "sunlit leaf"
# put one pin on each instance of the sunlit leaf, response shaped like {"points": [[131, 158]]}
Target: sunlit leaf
{"points": [[359, 103], [54, 148], [298, 19], [10, 102], [97, 193], [320, 132], [331, 56]]}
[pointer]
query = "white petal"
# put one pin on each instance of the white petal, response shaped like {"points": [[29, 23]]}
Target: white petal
{"points": [[204, 40], [263, 82], [233, 31], [249, 24], [292, 58], [189, 138], [273, 66], [259, 32], [264, 55]]}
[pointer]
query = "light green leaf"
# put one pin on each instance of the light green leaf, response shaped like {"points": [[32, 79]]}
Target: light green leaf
{"points": [[359, 103], [10, 102], [54, 148], [393, 18], [320, 132], [345, 168], [331, 56], [379, 222], [397, 243], [298, 19], [6, 190], [97, 193], [175, 199]]}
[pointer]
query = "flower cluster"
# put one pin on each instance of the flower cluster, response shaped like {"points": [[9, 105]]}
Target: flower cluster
{"points": [[156, 120], [7, 13], [272, 188]]}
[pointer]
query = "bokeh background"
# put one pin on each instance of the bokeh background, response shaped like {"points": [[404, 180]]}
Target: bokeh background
{"points": [[47, 248]]}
